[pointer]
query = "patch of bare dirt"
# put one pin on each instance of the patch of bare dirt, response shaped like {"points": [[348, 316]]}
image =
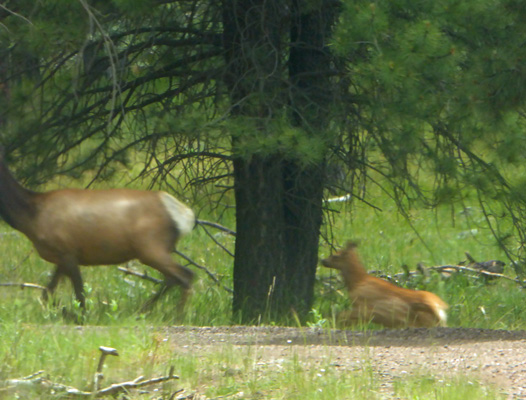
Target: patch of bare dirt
{"points": [[494, 357]]}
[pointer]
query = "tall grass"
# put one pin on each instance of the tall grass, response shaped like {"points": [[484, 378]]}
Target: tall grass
{"points": [[387, 241], [69, 356], [33, 336]]}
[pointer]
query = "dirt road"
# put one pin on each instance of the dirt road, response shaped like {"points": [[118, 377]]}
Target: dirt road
{"points": [[492, 356]]}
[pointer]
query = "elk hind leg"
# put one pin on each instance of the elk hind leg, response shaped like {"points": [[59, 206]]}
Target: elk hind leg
{"points": [[174, 274], [52, 285]]}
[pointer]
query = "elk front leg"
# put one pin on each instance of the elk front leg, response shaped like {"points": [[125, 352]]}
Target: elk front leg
{"points": [[72, 271]]}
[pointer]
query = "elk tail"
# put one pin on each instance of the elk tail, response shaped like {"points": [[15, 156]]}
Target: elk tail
{"points": [[182, 215]]}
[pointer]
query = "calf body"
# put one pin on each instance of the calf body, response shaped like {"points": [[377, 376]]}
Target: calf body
{"points": [[376, 300], [74, 227]]}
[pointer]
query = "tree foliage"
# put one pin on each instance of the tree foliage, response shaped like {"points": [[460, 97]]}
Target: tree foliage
{"points": [[107, 77], [437, 87], [274, 100]]}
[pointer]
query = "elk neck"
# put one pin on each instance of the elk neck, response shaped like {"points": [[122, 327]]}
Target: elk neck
{"points": [[17, 204]]}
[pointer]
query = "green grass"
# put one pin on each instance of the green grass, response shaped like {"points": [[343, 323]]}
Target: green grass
{"points": [[33, 335], [113, 297], [459, 388], [433, 237], [386, 243], [69, 356]]}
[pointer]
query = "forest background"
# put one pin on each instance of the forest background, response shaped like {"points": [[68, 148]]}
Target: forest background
{"points": [[256, 112]]}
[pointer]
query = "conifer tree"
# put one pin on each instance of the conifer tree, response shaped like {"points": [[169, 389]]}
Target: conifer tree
{"points": [[264, 103]]}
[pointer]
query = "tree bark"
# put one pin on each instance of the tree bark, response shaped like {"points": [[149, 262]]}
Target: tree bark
{"points": [[310, 98], [278, 196], [259, 266]]}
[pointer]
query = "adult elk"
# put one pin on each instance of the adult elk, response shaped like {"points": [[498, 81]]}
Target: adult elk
{"points": [[73, 227]]}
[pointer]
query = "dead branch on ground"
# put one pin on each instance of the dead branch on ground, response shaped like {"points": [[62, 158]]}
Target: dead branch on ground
{"points": [[37, 382], [488, 269], [24, 285], [43, 384], [141, 275], [448, 268]]}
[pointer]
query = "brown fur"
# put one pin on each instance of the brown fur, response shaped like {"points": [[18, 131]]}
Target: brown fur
{"points": [[376, 300], [73, 227]]}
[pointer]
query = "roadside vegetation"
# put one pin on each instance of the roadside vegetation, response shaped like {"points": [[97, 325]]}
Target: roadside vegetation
{"points": [[36, 336], [258, 109]]}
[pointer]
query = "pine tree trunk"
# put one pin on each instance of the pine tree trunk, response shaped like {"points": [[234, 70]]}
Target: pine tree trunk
{"points": [[278, 197], [259, 264], [279, 213]]}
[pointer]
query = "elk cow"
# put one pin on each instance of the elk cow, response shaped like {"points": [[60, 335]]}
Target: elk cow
{"points": [[73, 227], [376, 300]]}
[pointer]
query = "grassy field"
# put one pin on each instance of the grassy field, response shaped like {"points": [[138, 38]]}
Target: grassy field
{"points": [[33, 336]]}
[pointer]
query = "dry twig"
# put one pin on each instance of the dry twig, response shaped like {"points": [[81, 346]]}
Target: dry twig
{"points": [[217, 242], [217, 226], [444, 268], [135, 384], [24, 285], [141, 275], [210, 274], [37, 382]]}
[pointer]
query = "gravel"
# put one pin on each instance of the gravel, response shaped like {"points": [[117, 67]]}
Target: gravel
{"points": [[493, 357]]}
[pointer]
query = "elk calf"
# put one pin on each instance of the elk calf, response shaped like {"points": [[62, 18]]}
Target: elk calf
{"points": [[73, 227], [376, 300]]}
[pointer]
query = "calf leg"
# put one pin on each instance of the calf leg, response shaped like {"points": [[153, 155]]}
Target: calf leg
{"points": [[352, 317]]}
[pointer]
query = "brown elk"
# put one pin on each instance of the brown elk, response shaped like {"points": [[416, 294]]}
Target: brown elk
{"points": [[376, 300], [73, 227]]}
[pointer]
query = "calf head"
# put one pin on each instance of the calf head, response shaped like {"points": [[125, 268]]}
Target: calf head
{"points": [[340, 260]]}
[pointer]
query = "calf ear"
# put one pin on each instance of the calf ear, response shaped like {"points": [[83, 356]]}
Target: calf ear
{"points": [[351, 245]]}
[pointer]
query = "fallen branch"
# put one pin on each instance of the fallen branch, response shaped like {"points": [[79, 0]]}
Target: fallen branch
{"points": [[104, 352], [445, 268], [141, 275], [441, 268], [27, 381], [421, 270], [135, 384], [53, 387], [36, 381], [24, 285]]}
